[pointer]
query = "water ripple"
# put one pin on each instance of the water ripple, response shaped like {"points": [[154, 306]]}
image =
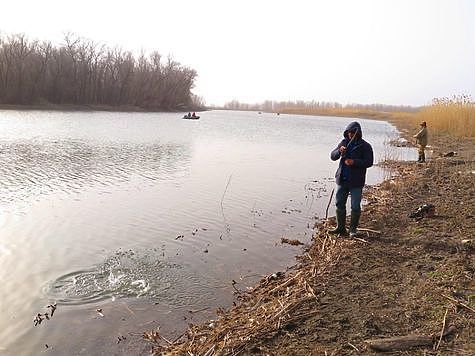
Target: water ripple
{"points": [[128, 274], [29, 168]]}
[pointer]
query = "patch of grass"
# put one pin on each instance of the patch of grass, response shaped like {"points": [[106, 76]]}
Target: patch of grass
{"points": [[417, 230], [435, 274], [440, 274]]}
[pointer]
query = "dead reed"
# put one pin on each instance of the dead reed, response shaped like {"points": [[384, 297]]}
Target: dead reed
{"points": [[344, 112], [277, 302], [455, 116]]}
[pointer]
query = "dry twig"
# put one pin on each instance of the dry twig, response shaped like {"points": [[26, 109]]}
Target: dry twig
{"points": [[369, 230], [443, 329], [459, 303]]}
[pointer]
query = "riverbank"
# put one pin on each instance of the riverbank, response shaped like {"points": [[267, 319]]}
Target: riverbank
{"points": [[72, 107], [403, 276]]}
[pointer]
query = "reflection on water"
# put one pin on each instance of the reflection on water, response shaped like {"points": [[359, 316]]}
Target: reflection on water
{"points": [[96, 207], [36, 168]]}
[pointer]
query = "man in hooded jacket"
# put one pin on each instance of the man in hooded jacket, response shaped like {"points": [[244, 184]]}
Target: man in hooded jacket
{"points": [[355, 155]]}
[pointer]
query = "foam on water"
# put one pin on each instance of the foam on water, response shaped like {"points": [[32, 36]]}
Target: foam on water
{"points": [[126, 274]]}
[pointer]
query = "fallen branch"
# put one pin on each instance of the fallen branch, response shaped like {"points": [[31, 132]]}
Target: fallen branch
{"points": [[458, 302], [399, 343], [360, 240], [369, 230]]}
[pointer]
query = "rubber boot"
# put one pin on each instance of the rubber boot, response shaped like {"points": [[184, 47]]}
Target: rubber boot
{"points": [[340, 223], [419, 159], [354, 221], [423, 158]]}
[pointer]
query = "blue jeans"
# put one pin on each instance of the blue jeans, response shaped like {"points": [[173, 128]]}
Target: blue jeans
{"points": [[342, 196]]}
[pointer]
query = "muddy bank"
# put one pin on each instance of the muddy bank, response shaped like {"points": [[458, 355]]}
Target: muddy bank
{"points": [[402, 276]]}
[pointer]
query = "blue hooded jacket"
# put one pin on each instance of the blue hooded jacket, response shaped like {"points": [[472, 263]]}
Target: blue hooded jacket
{"points": [[359, 151]]}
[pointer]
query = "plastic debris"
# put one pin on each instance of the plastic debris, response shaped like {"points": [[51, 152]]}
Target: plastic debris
{"points": [[424, 211]]}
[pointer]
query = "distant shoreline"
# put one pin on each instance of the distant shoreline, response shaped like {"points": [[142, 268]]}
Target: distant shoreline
{"points": [[74, 107]]}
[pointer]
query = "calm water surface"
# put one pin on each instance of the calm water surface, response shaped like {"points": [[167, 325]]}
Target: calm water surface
{"points": [[148, 216]]}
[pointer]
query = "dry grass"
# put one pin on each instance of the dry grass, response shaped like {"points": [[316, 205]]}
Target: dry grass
{"points": [[454, 116], [345, 112]]}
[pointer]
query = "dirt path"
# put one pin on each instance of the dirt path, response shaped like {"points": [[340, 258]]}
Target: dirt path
{"points": [[405, 277]]}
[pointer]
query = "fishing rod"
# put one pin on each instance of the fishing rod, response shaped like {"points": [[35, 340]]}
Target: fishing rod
{"points": [[343, 155]]}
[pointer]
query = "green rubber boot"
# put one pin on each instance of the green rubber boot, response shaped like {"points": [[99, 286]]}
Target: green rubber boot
{"points": [[354, 221], [340, 223]]}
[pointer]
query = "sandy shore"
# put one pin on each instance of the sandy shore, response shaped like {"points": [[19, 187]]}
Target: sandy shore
{"points": [[403, 276]]}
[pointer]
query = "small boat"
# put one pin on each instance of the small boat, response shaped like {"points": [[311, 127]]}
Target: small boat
{"points": [[186, 117]]}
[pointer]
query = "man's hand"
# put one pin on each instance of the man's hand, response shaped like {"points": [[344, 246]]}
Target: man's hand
{"points": [[349, 162], [342, 149]]}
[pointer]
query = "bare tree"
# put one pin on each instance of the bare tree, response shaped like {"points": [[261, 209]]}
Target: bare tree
{"points": [[83, 72]]}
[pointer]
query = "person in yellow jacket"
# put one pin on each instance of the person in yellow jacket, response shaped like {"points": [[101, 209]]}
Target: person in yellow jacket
{"points": [[421, 140]]}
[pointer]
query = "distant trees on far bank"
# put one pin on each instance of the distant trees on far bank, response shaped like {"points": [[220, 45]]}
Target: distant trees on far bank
{"points": [[315, 106], [82, 72]]}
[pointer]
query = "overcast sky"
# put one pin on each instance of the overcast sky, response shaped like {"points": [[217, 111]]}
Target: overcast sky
{"points": [[365, 51]]}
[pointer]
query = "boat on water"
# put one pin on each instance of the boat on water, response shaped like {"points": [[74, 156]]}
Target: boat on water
{"points": [[186, 117]]}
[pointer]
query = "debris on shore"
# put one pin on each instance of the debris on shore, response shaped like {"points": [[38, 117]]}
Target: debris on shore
{"points": [[295, 242], [423, 211], [278, 302]]}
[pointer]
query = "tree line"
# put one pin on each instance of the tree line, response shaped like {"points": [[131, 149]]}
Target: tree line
{"points": [[280, 106], [82, 72]]}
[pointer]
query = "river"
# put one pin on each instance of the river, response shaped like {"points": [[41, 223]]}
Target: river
{"points": [[131, 221]]}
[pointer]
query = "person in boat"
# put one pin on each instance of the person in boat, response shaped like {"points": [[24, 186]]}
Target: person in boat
{"points": [[194, 114], [355, 155], [189, 114], [421, 140]]}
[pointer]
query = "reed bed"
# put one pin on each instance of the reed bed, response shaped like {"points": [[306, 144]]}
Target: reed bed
{"points": [[455, 116], [345, 112], [278, 302]]}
